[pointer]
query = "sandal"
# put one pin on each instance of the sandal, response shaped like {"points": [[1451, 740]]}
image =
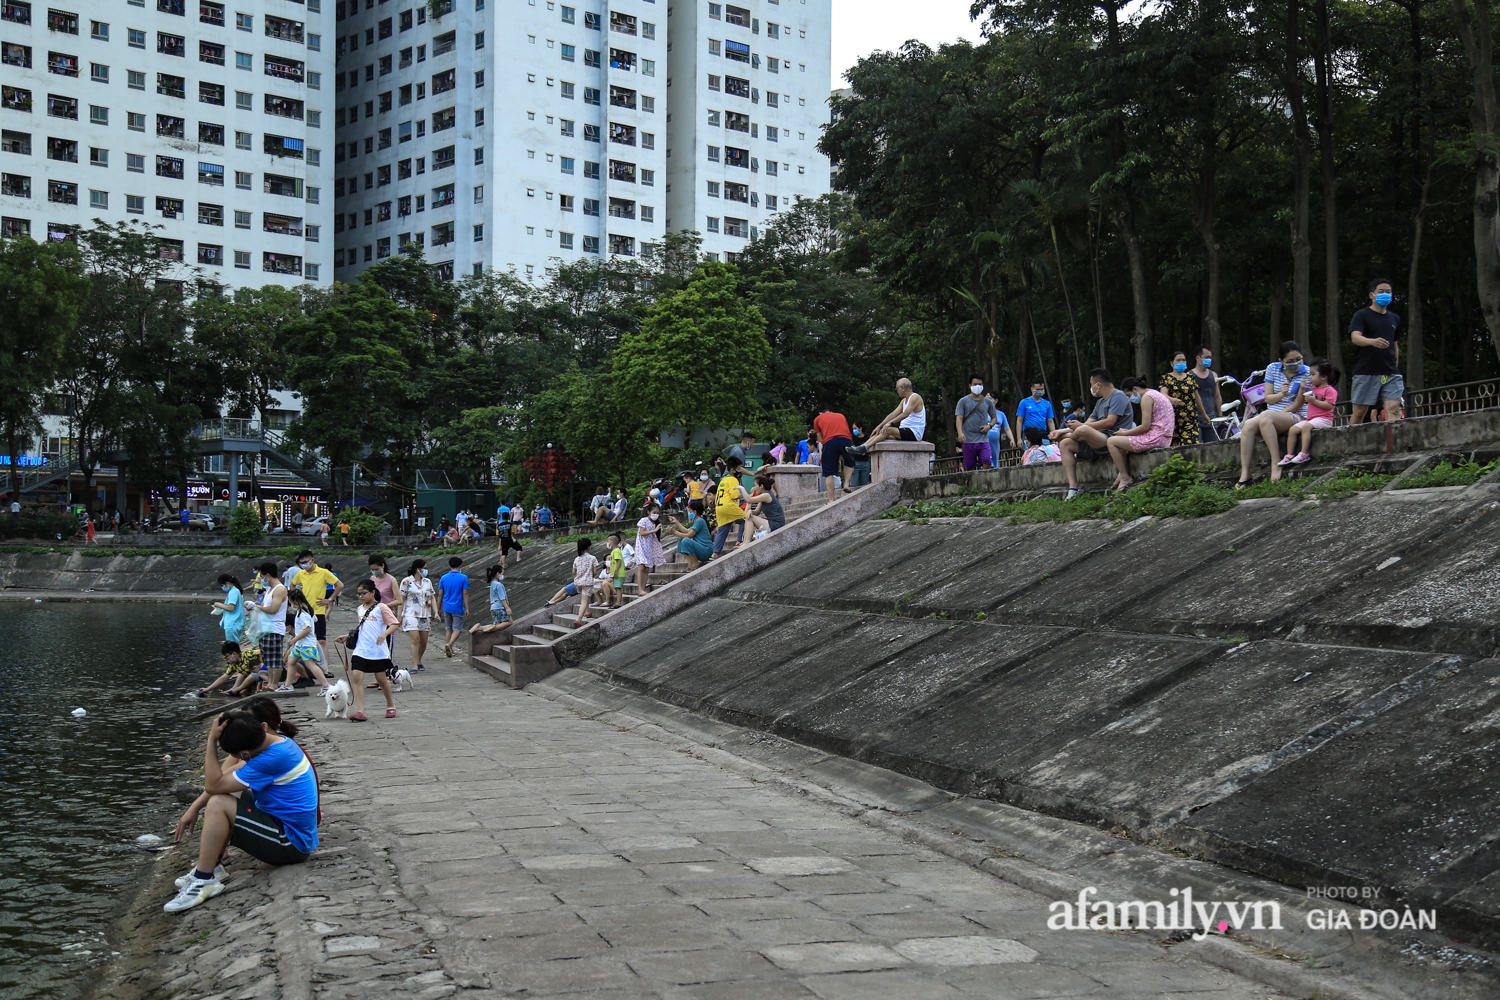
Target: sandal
{"points": [[390, 713], [358, 717], [1243, 483]]}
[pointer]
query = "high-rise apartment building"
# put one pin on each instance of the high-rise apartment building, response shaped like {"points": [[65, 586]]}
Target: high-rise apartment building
{"points": [[550, 134], [748, 99], [205, 117]]}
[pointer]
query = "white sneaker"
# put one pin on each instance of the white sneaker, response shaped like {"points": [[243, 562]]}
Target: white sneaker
{"points": [[219, 874], [196, 891]]}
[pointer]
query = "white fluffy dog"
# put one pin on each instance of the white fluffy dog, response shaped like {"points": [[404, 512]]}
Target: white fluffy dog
{"points": [[338, 699], [404, 681]]}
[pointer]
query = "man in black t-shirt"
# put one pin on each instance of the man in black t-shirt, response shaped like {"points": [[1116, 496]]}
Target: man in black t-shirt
{"points": [[1377, 379]]}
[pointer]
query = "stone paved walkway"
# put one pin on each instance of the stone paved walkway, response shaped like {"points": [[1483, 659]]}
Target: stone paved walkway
{"points": [[488, 839]]}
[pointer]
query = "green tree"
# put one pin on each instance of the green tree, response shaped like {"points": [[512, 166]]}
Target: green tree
{"points": [[42, 291], [699, 357], [350, 367]]}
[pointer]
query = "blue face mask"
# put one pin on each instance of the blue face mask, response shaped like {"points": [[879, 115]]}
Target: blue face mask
{"points": [[1180, 366], [1208, 362], [1135, 399], [1383, 299]]}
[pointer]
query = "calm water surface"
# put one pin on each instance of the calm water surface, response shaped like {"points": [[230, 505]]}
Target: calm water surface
{"points": [[75, 793]]}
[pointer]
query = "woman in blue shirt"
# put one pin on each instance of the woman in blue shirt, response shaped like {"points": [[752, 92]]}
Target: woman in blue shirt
{"points": [[1283, 380], [694, 541]]}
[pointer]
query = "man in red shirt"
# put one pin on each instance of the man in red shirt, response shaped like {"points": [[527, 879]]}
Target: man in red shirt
{"points": [[833, 431]]}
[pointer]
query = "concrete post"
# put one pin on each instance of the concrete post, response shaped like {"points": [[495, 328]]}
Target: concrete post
{"points": [[234, 477], [900, 460], [120, 491]]}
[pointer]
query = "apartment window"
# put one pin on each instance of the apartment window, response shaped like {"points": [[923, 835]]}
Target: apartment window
{"points": [[478, 155], [242, 259], [280, 145], [478, 117], [714, 81], [244, 22], [135, 38], [135, 204], [713, 153], [383, 175], [169, 166], [135, 163], [590, 170], [171, 45], [569, 16], [625, 24], [622, 97], [444, 82], [715, 47], [565, 241], [713, 189], [444, 119], [62, 107], [211, 174], [210, 13], [622, 60], [171, 86], [566, 126], [280, 27], [17, 10], [734, 157], [771, 167], [387, 28], [736, 87], [169, 208], [15, 55], [713, 224], [405, 19], [99, 72], [622, 134], [313, 193], [716, 11], [65, 150], [98, 115], [622, 245], [591, 244], [591, 133], [648, 140], [282, 69], [648, 177], [15, 185], [314, 81], [770, 203], [621, 208], [15, 142], [567, 164], [135, 80], [283, 107], [591, 206], [591, 58], [62, 192], [210, 215], [443, 158], [736, 227], [773, 30], [242, 140], [590, 95], [773, 99], [16, 98], [243, 179]]}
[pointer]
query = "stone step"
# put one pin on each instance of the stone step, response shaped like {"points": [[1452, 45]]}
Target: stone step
{"points": [[498, 659], [552, 632], [532, 640]]}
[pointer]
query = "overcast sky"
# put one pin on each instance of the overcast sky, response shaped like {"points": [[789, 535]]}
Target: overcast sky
{"points": [[863, 26]]}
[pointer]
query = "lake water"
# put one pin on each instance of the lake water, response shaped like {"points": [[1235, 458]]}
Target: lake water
{"points": [[75, 793]]}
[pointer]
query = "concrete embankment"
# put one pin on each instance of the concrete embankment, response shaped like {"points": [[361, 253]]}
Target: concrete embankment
{"points": [[1301, 690]]}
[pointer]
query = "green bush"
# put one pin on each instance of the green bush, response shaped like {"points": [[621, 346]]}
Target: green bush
{"points": [[46, 526], [362, 527], [244, 524], [1457, 471]]}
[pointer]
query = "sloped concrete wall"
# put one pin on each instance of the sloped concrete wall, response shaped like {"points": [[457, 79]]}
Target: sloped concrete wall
{"points": [[1303, 690]]}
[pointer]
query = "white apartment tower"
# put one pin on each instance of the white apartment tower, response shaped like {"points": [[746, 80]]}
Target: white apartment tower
{"points": [[747, 102], [205, 117], [549, 135]]}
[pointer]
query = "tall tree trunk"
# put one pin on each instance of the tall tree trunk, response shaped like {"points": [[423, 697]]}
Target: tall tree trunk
{"points": [[1213, 333], [1278, 300], [1323, 60], [1094, 227], [1416, 361], [12, 441], [1484, 113], [1302, 167], [1124, 218], [1062, 281]]}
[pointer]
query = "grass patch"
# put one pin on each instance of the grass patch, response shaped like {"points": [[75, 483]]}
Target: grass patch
{"points": [[1176, 488], [1457, 471]]}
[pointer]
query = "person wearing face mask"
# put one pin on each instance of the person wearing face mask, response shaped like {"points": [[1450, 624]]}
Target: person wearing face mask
{"points": [[1377, 375], [1158, 415], [233, 606], [1210, 397], [995, 431], [973, 417], [1187, 409], [1036, 411], [1112, 414], [419, 607], [319, 586], [1284, 380], [648, 553], [385, 587]]}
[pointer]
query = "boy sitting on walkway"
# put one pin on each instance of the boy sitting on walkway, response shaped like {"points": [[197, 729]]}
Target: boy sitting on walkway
{"points": [[263, 799]]}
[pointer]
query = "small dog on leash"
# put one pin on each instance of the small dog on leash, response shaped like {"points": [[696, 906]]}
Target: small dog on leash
{"points": [[404, 681], [338, 699]]}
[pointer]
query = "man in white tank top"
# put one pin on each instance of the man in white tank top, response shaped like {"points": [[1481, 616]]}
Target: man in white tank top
{"points": [[907, 422]]}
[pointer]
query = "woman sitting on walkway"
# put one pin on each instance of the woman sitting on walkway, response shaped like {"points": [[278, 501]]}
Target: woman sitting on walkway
{"points": [[765, 507], [1152, 432], [694, 540], [1283, 380]]}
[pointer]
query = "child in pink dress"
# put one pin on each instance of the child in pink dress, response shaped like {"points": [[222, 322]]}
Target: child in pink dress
{"points": [[1158, 421], [1320, 396]]}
